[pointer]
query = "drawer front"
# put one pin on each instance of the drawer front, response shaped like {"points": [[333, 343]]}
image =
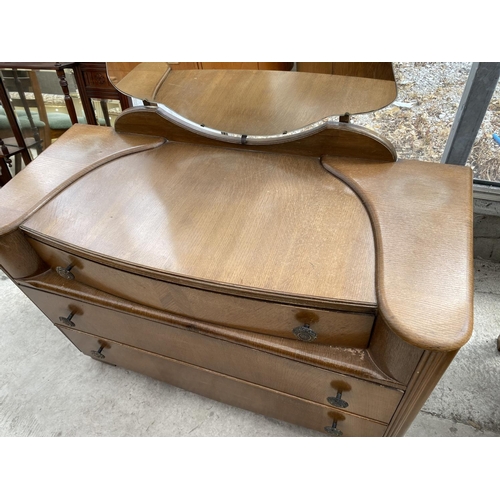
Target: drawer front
{"points": [[226, 389], [343, 329], [292, 377]]}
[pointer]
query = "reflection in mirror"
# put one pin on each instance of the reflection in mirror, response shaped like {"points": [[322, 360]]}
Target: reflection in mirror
{"points": [[258, 102], [375, 70]]}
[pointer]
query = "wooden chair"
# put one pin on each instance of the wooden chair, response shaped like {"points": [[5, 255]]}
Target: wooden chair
{"points": [[26, 100], [35, 121]]}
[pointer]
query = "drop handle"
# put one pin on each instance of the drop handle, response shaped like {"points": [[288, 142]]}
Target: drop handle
{"points": [[98, 354], [337, 401], [305, 333], [65, 272], [332, 429], [67, 321]]}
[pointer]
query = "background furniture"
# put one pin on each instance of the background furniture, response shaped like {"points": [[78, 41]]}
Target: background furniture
{"points": [[93, 83], [35, 126], [274, 66], [16, 145]]}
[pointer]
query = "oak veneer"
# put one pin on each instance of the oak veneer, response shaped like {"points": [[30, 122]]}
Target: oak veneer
{"points": [[275, 66], [376, 70], [371, 400], [180, 220], [419, 211], [153, 71], [329, 138], [228, 389], [254, 102], [90, 148], [232, 101], [192, 261], [354, 362], [333, 327]]}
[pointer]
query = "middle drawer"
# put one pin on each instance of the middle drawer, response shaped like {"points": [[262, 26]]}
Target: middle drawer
{"points": [[292, 377]]}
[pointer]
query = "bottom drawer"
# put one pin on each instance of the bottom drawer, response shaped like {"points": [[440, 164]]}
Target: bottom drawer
{"points": [[226, 389]]}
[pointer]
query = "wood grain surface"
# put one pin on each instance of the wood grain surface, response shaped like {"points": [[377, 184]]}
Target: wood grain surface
{"points": [[206, 255], [221, 216], [422, 220], [228, 389], [256, 102], [272, 318], [391, 354], [429, 371], [332, 138], [377, 70], [315, 384], [17, 257], [269, 102], [78, 151], [354, 362], [275, 66]]}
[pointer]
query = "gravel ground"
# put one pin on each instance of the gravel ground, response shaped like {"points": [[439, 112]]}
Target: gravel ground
{"points": [[419, 122]]}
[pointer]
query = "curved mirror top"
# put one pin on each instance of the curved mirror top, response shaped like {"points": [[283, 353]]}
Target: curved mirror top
{"points": [[257, 102]]}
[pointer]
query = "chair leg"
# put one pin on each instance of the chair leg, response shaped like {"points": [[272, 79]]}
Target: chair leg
{"points": [[5, 175], [17, 164], [105, 112]]}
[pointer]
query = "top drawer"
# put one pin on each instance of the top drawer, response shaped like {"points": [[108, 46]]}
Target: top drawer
{"points": [[344, 329]]}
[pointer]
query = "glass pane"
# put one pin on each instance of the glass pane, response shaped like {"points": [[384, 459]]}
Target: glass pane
{"points": [[485, 155], [6, 134], [106, 111], [419, 121]]}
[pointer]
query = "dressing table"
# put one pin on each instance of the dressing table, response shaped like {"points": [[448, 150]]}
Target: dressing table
{"points": [[239, 242]]}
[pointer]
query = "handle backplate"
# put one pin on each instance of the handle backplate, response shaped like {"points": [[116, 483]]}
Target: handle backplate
{"points": [[305, 333]]}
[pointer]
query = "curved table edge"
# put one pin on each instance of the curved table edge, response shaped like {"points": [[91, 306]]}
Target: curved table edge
{"points": [[373, 183], [77, 152]]}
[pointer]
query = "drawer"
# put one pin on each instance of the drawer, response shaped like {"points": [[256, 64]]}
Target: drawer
{"points": [[357, 396], [336, 328], [226, 389]]}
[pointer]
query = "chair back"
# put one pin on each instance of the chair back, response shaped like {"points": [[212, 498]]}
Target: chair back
{"points": [[26, 99]]}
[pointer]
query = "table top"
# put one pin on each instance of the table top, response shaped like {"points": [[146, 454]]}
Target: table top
{"points": [[392, 235], [244, 219]]}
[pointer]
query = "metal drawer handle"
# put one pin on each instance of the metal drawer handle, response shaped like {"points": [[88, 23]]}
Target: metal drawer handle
{"points": [[65, 272], [305, 333], [67, 321], [337, 401], [98, 354], [332, 429]]}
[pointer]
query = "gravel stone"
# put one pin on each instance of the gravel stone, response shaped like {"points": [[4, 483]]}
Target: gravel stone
{"points": [[420, 132]]}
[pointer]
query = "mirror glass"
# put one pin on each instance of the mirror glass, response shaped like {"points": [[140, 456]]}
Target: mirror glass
{"points": [[257, 99]]}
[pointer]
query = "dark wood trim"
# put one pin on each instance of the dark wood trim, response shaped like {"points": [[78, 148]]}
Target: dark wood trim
{"points": [[89, 91], [16, 130], [86, 101]]}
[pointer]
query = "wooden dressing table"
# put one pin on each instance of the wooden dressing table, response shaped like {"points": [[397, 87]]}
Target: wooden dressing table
{"points": [[312, 278]]}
